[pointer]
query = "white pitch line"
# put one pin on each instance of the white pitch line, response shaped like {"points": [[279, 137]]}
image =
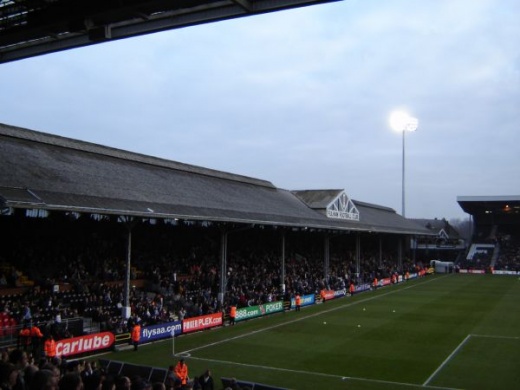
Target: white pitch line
{"points": [[496, 337], [342, 377], [460, 346], [447, 359], [307, 316]]}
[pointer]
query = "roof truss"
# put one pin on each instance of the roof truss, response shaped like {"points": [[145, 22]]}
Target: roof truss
{"points": [[343, 208]]}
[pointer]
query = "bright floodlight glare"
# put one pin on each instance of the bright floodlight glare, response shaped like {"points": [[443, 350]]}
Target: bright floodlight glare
{"points": [[401, 121]]}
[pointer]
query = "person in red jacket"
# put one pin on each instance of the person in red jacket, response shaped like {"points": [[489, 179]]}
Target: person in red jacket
{"points": [[24, 338], [181, 372], [36, 337], [49, 347], [298, 301], [323, 296], [232, 314], [136, 335]]}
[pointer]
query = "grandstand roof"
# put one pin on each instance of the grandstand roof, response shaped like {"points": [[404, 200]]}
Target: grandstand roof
{"points": [[33, 27], [502, 204], [44, 171]]}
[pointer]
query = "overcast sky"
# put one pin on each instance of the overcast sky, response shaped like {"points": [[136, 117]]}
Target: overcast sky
{"points": [[302, 98]]}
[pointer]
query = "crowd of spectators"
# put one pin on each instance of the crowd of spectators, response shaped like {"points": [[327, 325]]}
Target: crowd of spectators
{"points": [[509, 255], [180, 273], [20, 370], [499, 251]]}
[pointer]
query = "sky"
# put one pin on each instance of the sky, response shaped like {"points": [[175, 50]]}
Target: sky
{"points": [[302, 98]]}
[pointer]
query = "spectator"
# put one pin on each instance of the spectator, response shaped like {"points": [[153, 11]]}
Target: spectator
{"points": [[136, 335], [8, 376], [234, 385], [140, 384], [158, 386], [44, 380], [50, 347], [28, 373], [71, 381], [171, 379], [206, 381], [123, 383], [36, 337], [24, 337], [181, 372], [18, 358], [108, 383]]}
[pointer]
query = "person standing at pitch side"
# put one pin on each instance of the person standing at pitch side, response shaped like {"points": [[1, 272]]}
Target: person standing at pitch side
{"points": [[298, 301], [136, 335], [232, 315], [181, 372]]}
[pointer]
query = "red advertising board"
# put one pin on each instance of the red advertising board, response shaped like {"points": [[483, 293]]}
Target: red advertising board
{"points": [[202, 322], [84, 344]]}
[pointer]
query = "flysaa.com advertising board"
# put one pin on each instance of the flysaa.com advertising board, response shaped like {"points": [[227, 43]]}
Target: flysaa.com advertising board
{"points": [[245, 313]]}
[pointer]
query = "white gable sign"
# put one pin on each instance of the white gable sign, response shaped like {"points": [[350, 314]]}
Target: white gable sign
{"points": [[343, 208]]}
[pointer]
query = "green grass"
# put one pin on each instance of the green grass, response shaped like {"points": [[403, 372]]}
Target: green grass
{"points": [[456, 331]]}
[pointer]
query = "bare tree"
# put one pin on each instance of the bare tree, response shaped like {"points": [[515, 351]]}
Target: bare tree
{"points": [[463, 226]]}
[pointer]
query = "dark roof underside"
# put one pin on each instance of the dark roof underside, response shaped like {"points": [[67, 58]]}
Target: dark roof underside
{"points": [[492, 210], [42, 171], [503, 204], [33, 27]]}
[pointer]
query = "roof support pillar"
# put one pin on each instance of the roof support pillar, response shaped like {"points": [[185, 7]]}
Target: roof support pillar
{"points": [[400, 253], [358, 254], [326, 256], [126, 310], [223, 265], [283, 263], [380, 250], [414, 248]]}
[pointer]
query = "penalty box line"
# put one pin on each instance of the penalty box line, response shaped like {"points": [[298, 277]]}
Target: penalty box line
{"points": [[343, 378], [456, 350], [461, 344]]}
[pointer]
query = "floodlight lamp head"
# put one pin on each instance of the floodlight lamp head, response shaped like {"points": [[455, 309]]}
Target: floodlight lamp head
{"points": [[401, 121]]}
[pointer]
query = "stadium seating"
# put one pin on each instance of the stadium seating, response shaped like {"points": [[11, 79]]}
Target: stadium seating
{"points": [[154, 374], [151, 374]]}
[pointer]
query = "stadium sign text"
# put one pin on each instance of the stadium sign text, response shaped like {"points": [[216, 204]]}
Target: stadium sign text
{"points": [[82, 344], [245, 313], [162, 331], [202, 322], [342, 215]]}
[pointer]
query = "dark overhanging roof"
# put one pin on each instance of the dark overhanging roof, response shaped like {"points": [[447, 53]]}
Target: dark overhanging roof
{"points": [[33, 27], [494, 210], [498, 204], [44, 171]]}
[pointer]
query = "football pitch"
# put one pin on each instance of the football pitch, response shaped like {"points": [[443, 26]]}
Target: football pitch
{"points": [[439, 332]]}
